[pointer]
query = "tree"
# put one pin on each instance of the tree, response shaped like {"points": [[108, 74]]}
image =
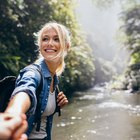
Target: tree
{"points": [[20, 19], [131, 28]]}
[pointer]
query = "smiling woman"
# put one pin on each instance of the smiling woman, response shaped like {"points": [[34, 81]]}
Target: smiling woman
{"points": [[53, 41]]}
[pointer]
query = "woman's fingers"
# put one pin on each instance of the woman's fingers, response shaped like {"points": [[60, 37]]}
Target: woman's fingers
{"points": [[62, 99], [63, 102]]}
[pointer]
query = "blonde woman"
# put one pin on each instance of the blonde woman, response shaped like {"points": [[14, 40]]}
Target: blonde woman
{"points": [[54, 42]]}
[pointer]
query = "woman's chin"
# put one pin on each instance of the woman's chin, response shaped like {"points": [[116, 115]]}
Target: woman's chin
{"points": [[51, 59]]}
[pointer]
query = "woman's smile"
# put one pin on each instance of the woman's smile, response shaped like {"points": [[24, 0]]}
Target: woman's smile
{"points": [[50, 50]]}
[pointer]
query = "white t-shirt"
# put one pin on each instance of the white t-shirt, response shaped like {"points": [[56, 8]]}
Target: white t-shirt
{"points": [[50, 108]]}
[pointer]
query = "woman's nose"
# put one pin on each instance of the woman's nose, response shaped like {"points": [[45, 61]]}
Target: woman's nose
{"points": [[50, 42]]}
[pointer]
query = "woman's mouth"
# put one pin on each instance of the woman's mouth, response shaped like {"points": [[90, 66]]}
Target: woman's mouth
{"points": [[50, 50]]}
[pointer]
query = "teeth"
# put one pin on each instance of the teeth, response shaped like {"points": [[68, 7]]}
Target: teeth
{"points": [[50, 50]]}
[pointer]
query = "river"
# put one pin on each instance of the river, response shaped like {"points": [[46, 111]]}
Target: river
{"points": [[99, 114]]}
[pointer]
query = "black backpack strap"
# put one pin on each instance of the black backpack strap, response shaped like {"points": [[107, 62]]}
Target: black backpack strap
{"points": [[58, 107]]}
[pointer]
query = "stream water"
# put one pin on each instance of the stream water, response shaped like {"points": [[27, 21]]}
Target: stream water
{"points": [[99, 114]]}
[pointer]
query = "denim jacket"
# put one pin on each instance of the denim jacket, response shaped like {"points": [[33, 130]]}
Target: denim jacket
{"points": [[28, 81]]}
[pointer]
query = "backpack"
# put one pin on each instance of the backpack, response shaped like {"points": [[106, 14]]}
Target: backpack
{"points": [[7, 86]]}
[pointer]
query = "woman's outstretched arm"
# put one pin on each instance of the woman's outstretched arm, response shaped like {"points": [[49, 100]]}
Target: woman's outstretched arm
{"points": [[19, 104]]}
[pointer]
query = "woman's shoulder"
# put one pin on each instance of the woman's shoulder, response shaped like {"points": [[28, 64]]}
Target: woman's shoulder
{"points": [[31, 71], [43, 66]]}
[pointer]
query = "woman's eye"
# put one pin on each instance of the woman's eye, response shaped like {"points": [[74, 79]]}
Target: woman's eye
{"points": [[56, 39], [45, 39]]}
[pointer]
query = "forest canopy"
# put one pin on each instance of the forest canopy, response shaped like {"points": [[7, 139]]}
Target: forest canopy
{"points": [[20, 19]]}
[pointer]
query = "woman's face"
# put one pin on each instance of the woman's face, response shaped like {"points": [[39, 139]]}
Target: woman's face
{"points": [[50, 44]]}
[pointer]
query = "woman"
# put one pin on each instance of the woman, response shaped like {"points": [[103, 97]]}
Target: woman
{"points": [[54, 42]]}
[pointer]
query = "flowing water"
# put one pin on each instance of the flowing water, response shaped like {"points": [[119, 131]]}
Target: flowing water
{"points": [[99, 114]]}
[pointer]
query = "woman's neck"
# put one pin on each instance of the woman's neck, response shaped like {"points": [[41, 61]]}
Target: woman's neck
{"points": [[52, 67]]}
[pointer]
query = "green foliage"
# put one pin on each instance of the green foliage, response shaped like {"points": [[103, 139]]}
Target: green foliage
{"points": [[131, 28], [80, 70], [135, 58], [20, 19]]}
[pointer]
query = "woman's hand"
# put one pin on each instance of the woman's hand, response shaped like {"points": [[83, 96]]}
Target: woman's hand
{"points": [[61, 99]]}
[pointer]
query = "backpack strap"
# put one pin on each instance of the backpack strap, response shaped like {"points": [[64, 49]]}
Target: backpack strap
{"points": [[58, 107]]}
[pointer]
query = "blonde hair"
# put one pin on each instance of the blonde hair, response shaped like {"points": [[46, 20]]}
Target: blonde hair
{"points": [[65, 42]]}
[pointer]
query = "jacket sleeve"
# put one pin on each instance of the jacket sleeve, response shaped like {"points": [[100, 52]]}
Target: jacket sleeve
{"points": [[28, 80]]}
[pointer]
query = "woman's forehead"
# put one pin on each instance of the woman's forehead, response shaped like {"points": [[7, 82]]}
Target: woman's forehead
{"points": [[49, 30]]}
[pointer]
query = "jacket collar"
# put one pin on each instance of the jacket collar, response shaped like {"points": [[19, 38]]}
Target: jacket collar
{"points": [[45, 70]]}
